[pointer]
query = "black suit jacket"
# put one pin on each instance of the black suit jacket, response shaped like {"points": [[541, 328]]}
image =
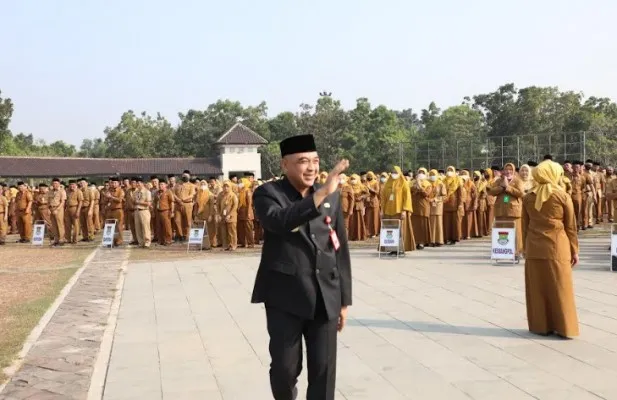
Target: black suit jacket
{"points": [[298, 258]]}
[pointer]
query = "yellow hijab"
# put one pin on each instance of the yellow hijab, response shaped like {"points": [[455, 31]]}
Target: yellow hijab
{"points": [[452, 182], [546, 175], [374, 183], [358, 187], [244, 192], [424, 183], [491, 176], [322, 177], [391, 188], [481, 183]]}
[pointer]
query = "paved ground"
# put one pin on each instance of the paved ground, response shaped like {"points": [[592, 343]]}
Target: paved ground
{"points": [[61, 361], [439, 324]]}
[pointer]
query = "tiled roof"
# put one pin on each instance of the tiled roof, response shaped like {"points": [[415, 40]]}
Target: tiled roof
{"points": [[240, 134], [35, 167]]}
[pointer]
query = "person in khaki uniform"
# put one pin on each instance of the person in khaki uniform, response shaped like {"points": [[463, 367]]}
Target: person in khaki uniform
{"points": [[490, 175], [165, 203], [12, 193], [74, 201], [142, 199], [115, 199], [96, 209], [509, 191], [481, 186], [599, 184], [453, 206], [23, 210], [184, 194], [154, 181], [589, 199], [86, 213], [104, 203], [258, 232], [436, 198], [347, 200], [577, 180], [469, 225], [372, 205], [551, 251], [246, 215], [608, 204], [206, 211], [421, 190], [130, 186], [611, 194], [57, 199], [4, 217], [41, 204], [228, 214]]}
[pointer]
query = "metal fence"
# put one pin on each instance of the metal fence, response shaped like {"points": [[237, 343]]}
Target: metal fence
{"points": [[483, 153]]}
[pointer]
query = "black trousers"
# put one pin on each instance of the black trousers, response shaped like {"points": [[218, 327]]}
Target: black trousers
{"points": [[286, 331]]}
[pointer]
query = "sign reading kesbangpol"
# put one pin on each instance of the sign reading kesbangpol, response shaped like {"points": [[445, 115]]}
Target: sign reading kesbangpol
{"points": [[503, 244]]}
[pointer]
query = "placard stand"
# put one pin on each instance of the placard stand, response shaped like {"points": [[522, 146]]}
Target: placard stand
{"points": [[38, 232], [503, 242], [109, 231], [197, 233], [390, 235], [613, 264]]}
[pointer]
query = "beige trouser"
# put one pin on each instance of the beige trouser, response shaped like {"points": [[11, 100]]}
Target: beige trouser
{"points": [[591, 207], [3, 227], [142, 227]]}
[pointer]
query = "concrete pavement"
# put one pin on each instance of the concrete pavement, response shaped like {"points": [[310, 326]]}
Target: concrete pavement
{"points": [[439, 324]]}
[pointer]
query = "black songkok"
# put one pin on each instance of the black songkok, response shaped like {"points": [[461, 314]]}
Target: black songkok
{"points": [[298, 144]]}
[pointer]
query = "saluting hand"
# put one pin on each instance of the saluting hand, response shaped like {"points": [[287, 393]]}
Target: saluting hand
{"points": [[332, 181]]}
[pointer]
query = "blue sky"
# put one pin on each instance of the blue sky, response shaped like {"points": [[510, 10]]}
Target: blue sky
{"points": [[73, 66]]}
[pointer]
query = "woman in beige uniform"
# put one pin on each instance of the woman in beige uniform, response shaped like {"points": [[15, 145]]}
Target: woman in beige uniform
{"points": [[421, 190], [396, 204], [453, 207], [481, 218], [470, 227], [551, 250], [357, 226], [509, 191], [438, 194], [372, 205]]}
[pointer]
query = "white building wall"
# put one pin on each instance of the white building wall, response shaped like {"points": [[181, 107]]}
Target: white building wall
{"points": [[240, 158]]}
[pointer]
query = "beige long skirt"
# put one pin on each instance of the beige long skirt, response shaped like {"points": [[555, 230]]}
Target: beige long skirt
{"points": [[421, 229], [549, 295], [436, 226]]}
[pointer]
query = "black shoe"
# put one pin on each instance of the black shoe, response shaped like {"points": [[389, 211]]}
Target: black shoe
{"points": [[420, 247]]}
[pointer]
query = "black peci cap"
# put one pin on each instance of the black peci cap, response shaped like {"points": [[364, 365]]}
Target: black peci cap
{"points": [[298, 144]]}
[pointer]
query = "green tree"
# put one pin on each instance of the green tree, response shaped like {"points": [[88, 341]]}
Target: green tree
{"points": [[140, 136]]}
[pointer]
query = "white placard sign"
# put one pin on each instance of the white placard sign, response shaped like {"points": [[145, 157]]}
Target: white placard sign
{"points": [[108, 234], [390, 237], [503, 244], [38, 234], [196, 236]]}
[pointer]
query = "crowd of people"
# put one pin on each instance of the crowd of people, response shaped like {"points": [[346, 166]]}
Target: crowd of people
{"points": [[434, 207]]}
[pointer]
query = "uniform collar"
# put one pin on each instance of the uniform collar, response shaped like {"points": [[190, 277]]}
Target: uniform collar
{"points": [[291, 191]]}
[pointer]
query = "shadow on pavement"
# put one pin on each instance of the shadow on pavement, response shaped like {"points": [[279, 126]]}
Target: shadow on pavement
{"points": [[429, 327]]}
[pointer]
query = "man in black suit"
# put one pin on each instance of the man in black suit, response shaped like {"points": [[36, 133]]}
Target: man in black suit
{"points": [[304, 277]]}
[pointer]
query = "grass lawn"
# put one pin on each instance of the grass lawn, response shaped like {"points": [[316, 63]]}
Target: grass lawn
{"points": [[29, 282]]}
